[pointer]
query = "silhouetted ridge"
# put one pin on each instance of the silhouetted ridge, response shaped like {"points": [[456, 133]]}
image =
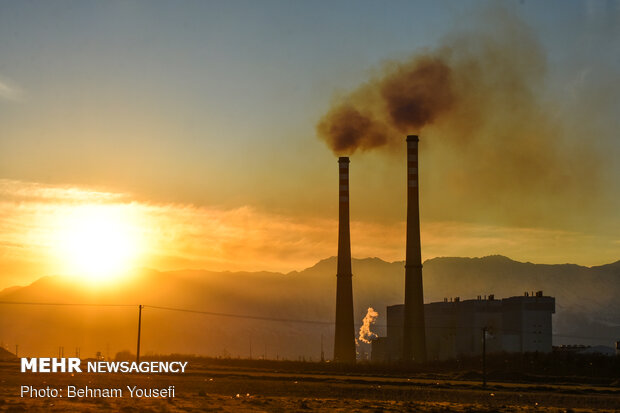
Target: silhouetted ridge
{"points": [[614, 267], [586, 302]]}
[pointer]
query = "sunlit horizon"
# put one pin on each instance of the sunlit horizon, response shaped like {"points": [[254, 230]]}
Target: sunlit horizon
{"points": [[99, 238]]}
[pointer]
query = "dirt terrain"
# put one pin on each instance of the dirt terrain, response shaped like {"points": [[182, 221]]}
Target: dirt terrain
{"points": [[233, 389]]}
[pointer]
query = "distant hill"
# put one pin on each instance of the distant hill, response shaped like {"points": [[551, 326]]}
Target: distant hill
{"points": [[588, 311], [6, 355]]}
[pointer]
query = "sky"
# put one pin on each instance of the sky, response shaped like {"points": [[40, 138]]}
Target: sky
{"points": [[192, 127]]}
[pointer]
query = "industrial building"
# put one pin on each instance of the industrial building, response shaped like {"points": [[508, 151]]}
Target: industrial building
{"points": [[454, 328]]}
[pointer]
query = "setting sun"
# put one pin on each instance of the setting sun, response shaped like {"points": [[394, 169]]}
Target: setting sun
{"points": [[97, 243]]}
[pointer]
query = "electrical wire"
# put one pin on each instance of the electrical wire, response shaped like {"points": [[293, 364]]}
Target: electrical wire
{"points": [[285, 320], [250, 317]]}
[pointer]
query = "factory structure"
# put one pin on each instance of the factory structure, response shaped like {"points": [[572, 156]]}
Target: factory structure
{"points": [[456, 328], [344, 338], [417, 332], [413, 333]]}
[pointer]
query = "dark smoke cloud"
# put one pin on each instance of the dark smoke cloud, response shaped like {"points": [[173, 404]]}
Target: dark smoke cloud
{"points": [[409, 96], [416, 94], [465, 85], [348, 129], [488, 125]]}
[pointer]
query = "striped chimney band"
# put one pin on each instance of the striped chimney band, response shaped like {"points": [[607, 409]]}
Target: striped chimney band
{"points": [[343, 162], [412, 160]]}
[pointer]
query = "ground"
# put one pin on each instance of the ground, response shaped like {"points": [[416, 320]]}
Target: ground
{"points": [[208, 387]]}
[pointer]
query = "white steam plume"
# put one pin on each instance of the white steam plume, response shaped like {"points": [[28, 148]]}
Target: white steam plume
{"points": [[366, 335]]}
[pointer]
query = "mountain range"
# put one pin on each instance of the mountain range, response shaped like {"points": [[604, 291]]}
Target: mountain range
{"points": [[275, 315]]}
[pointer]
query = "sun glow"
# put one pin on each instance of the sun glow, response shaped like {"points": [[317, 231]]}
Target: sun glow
{"points": [[97, 243]]}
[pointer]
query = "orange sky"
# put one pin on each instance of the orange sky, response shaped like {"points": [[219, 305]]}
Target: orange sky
{"points": [[34, 219], [187, 136]]}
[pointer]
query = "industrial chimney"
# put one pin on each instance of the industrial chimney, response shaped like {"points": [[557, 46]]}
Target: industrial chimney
{"points": [[344, 346], [414, 334]]}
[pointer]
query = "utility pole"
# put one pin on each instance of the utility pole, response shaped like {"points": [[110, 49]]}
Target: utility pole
{"points": [[139, 328], [322, 352], [16, 348], [484, 357], [250, 346]]}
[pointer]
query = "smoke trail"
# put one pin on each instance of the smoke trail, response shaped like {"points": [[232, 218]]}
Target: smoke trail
{"points": [[410, 96], [463, 85], [348, 128], [491, 132], [365, 335]]}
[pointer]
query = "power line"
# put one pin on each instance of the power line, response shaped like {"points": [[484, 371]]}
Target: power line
{"points": [[251, 317], [285, 320]]}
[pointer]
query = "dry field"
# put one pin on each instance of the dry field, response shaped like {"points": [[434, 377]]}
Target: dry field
{"points": [[236, 389]]}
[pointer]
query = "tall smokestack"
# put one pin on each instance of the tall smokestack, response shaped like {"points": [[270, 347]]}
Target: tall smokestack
{"points": [[344, 346], [414, 334]]}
